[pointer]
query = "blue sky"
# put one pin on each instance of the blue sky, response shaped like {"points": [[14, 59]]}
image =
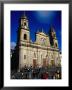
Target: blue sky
{"points": [[37, 21]]}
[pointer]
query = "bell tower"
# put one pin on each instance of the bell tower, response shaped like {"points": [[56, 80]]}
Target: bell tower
{"points": [[24, 29], [53, 38], [23, 41], [24, 22]]}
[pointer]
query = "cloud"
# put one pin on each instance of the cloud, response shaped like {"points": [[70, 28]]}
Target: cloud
{"points": [[13, 44]]}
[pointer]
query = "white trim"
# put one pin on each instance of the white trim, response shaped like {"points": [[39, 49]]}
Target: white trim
{"points": [[65, 29]]}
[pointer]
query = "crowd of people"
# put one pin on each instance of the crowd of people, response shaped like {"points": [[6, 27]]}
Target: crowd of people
{"points": [[37, 73]]}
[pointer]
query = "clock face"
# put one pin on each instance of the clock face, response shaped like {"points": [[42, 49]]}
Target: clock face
{"points": [[43, 41]]}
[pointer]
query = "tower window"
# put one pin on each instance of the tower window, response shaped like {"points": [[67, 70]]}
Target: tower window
{"points": [[24, 24], [25, 36], [55, 44]]}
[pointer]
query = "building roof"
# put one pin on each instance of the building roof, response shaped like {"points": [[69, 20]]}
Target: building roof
{"points": [[41, 32]]}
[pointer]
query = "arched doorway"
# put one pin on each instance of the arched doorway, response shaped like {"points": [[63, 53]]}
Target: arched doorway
{"points": [[34, 62], [44, 62]]}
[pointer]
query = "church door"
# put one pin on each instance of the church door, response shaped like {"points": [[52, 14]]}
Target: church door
{"points": [[44, 62], [34, 63]]}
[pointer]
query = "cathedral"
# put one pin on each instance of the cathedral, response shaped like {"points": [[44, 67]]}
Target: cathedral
{"points": [[43, 52]]}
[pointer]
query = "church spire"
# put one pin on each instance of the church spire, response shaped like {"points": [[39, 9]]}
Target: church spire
{"points": [[42, 29], [24, 15], [24, 21]]}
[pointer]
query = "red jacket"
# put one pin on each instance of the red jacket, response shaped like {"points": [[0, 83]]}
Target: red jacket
{"points": [[45, 76]]}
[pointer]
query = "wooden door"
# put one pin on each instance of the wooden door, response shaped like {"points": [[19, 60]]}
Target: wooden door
{"points": [[44, 62], [34, 63]]}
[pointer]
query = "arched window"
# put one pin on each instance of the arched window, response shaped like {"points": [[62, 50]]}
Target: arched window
{"points": [[55, 44], [25, 36], [24, 23], [24, 56]]}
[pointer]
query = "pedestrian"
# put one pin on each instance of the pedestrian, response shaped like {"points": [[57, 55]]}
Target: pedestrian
{"points": [[44, 75]]}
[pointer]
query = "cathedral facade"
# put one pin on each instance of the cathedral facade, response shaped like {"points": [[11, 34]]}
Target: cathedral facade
{"points": [[43, 52]]}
